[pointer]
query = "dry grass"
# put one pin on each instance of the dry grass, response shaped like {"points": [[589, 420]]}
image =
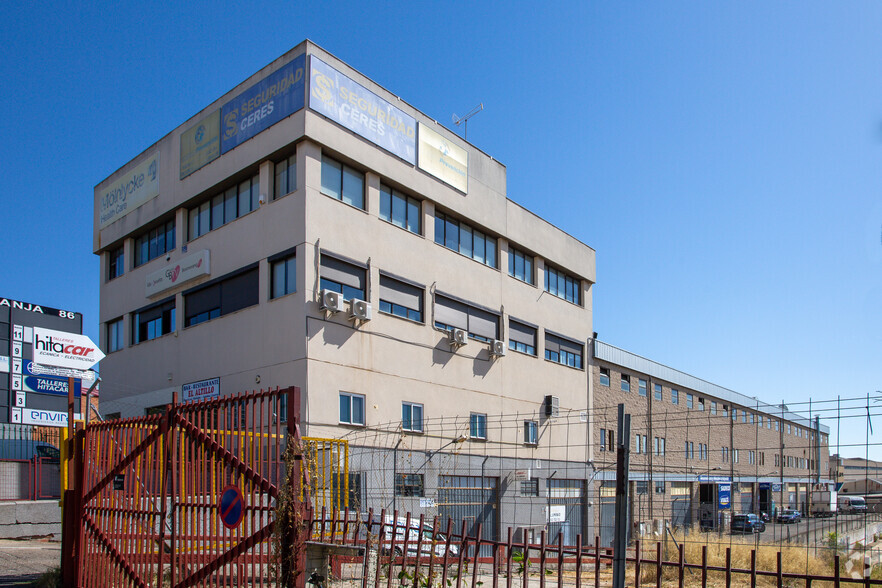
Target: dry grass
{"points": [[794, 560]]}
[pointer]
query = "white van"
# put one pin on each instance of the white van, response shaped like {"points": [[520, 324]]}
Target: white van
{"points": [[438, 541]]}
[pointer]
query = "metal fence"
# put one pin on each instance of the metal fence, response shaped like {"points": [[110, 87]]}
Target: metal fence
{"points": [[29, 463]]}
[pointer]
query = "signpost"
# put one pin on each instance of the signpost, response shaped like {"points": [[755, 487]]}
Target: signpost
{"points": [[231, 506]]}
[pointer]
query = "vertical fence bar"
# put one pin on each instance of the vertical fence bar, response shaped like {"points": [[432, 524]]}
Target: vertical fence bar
{"points": [[508, 556], [525, 581], [477, 553], [462, 554], [753, 568], [542, 559], [780, 577], [836, 582], [728, 567], [579, 560], [596, 561], [658, 564], [704, 566], [636, 563], [560, 560], [680, 566], [446, 552]]}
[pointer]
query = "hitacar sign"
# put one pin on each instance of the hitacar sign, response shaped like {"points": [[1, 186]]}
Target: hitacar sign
{"points": [[65, 349]]}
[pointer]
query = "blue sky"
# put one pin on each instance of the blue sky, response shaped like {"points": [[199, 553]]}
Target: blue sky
{"points": [[723, 159]]}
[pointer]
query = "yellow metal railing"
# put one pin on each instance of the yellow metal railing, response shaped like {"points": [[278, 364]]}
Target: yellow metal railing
{"points": [[327, 463]]}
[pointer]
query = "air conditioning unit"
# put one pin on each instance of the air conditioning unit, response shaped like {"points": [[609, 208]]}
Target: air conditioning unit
{"points": [[497, 348], [332, 301], [458, 337], [552, 406], [359, 309]]}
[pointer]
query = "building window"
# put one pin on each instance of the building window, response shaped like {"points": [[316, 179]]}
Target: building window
{"points": [[713, 405], [284, 276], [734, 415], [400, 299], [690, 453], [234, 202], [735, 456], [603, 439], [520, 265], [701, 404], [610, 440], [679, 488], [115, 263], [462, 238], [286, 176], [345, 278], [521, 337], [751, 418], [342, 182], [530, 487], [351, 409], [412, 417], [409, 485], [604, 377], [724, 454], [675, 396], [480, 324], [743, 416], [399, 209], [531, 432], [153, 322], [155, 242], [626, 383], [115, 340], [658, 392], [751, 457], [777, 425], [689, 401], [641, 487], [563, 285], [659, 487], [702, 451], [227, 295], [641, 387], [478, 425], [563, 351], [658, 445]]}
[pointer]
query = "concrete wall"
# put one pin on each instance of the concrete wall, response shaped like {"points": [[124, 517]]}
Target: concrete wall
{"points": [[26, 518]]}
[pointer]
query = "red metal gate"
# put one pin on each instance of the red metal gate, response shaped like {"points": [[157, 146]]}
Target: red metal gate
{"points": [[185, 498]]}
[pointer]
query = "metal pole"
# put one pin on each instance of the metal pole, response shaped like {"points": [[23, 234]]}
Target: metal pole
{"points": [[620, 542]]}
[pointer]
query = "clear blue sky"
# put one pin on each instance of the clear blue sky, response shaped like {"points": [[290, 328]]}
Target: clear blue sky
{"points": [[723, 158]]}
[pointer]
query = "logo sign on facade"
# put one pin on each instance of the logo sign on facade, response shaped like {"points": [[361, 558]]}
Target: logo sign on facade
{"points": [[203, 390], [200, 144], [724, 494], [706, 478], [427, 503], [231, 507], [43, 384], [776, 487], [188, 268], [270, 100], [556, 513], [444, 160], [44, 370], [129, 191], [361, 111], [765, 485], [63, 349], [47, 418], [521, 475]]}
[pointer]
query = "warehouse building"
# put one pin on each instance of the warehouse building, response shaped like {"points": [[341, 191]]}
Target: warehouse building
{"points": [[311, 228], [698, 450]]}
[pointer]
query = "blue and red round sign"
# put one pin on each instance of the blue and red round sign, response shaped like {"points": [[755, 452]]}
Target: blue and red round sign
{"points": [[231, 506]]}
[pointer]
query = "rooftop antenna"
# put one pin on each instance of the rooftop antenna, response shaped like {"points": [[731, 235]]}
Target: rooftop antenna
{"points": [[464, 120]]}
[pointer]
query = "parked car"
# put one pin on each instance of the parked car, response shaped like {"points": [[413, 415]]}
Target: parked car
{"points": [[26, 449], [438, 541], [747, 523], [788, 516]]}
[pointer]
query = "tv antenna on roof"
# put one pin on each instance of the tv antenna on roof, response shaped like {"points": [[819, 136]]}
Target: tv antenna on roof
{"points": [[464, 120]]}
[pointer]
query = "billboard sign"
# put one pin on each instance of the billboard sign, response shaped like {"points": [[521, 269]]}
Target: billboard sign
{"points": [[200, 144], [34, 381], [724, 494], [62, 349], [444, 160], [129, 190], [188, 268], [203, 390], [353, 106], [275, 97], [47, 418]]}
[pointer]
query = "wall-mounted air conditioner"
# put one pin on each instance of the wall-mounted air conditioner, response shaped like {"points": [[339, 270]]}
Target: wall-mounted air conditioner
{"points": [[359, 309], [332, 301], [497, 348], [458, 337]]}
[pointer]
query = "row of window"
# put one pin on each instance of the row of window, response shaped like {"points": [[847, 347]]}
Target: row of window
{"points": [[712, 406], [346, 184]]}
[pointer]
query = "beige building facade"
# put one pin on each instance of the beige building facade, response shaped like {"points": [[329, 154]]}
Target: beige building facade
{"points": [[310, 228]]}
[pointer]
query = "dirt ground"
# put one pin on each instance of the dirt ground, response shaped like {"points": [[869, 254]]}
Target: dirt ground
{"points": [[22, 562]]}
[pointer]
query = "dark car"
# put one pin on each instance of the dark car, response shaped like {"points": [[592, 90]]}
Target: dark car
{"points": [[747, 523], [789, 516]]}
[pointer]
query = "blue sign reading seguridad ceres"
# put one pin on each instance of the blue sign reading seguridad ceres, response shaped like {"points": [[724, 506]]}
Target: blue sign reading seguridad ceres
{"points": [[270, 100]]}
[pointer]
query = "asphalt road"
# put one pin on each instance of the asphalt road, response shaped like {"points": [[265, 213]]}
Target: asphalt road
{"points": [[22, 562]]}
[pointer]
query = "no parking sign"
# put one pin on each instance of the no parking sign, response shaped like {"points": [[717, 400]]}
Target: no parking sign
{"points": [[231, 506]]}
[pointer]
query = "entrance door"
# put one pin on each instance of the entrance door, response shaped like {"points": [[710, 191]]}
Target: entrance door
{"points": [[707, 506], [571, 495], [472, 499]]}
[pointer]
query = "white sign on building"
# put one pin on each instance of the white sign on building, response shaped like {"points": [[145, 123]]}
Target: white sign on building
{"points": [[202, 390], [62, 349], [186, 269]]}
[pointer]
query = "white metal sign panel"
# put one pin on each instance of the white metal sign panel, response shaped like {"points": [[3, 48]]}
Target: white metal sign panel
{"points": [[46, 370], [188, 268], [203, 390], [556, 513], [62, 349], [4, 364], [46, 418]]}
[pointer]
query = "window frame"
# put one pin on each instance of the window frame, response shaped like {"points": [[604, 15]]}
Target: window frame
{"points": [[146, 246], [290, 163], [604, 374], [167, 318], [478, 426], [564, 355], [625, 383], [342, 194], [641, 387], [344, 268], [570, 282], [221, 203], [411, 204], [408, 407], [445, 223], [393, 293], [352, 398], [116, 262], [410, 485], [531, 432], [236, 299], [290, 273], [517, 332], [115, 341], [528, 276]]}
